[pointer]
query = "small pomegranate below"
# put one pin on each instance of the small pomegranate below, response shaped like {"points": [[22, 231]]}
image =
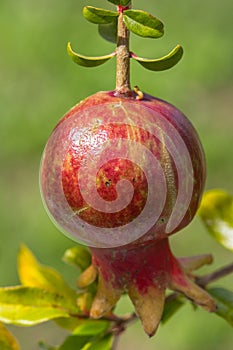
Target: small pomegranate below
{"points": [[121, 175]]}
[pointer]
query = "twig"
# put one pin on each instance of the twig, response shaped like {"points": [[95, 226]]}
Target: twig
{"points": [[222, 272], [115, 341]]}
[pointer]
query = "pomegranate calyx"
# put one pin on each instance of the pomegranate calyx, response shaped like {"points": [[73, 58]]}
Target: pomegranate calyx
{"points": [[192, 263], [144, 272], [106, 298], [149, 307]]}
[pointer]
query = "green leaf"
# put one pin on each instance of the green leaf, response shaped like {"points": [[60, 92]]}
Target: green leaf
{"points": [[68, 323], [120, 2], [88, 61], [78, 256], [7, 341], [224, 299], [92, 327], [162, 63], [101, 343], [109, 31], [44, 346], [75, 342], [85, 337], [171, 306], [98, 16], [143, 24], [216, 211], [28, 306], [33, 274]]}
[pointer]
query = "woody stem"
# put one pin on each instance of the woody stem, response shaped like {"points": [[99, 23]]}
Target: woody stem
{"points": [[122, 57]]}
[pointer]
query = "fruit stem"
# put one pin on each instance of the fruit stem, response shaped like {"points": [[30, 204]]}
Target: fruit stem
{"points": [[123, 56]]}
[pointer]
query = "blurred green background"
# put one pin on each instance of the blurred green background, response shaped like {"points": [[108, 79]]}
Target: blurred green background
{"points": [[39, 83]]}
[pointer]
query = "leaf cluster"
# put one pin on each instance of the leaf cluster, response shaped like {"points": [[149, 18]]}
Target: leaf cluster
{"points": [[44, 295], [138, 22]]}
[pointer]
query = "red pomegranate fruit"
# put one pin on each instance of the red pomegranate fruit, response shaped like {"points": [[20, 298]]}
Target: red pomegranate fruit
{"points": [[122, 174]]}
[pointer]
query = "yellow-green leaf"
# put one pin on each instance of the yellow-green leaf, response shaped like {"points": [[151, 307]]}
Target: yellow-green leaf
{"points": [[86, 61], [78, 256], [143, 24], [33, 274], [92, 327], [162, 63], [98, 16], [7, 341], [104, 343], [216, 211], [28, 306]]}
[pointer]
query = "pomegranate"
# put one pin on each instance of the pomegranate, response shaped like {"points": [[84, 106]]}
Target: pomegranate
{"points": [[121, 172], [121, 175]]}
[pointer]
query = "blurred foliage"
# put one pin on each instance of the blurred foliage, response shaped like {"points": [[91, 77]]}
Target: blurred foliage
{"points": [[39, 84], [216, 211]]}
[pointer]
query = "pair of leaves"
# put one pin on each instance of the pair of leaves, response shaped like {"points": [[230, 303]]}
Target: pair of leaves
{"points": [[138, 22], [216, 212], [159, 64]]}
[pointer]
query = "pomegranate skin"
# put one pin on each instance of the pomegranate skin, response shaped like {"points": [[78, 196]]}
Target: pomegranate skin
{"points": [[121, 175], [147, 190]]}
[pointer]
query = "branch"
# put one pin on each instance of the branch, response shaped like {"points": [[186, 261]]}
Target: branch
{"points": [[222, 272], [115, 342]]}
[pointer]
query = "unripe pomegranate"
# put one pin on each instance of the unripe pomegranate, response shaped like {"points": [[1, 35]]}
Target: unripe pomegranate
{"points": [[121, 172]]}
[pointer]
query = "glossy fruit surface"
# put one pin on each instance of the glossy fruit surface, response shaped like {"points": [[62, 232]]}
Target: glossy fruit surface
{"points": [[121, 174], [119, 171]]}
